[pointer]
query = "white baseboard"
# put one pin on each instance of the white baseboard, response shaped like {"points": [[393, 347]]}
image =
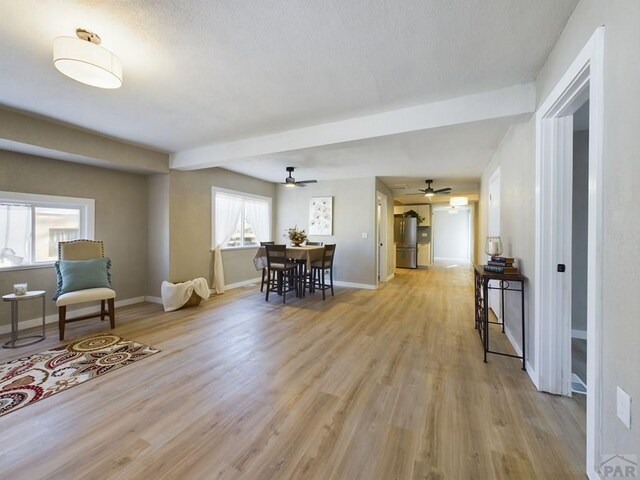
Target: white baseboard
{"points": [[153, 299], [125, 302], [391, 277], [512, 340], [581, 334], [364, 286], [243, 283], [533, 375], [36, 322]]}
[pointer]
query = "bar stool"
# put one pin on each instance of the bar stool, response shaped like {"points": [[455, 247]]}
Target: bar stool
{"points": [[264, 270], [320, 268], [280, 272]]}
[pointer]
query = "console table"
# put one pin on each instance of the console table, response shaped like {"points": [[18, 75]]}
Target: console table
{"points": [[15, 300], [503, 282]]}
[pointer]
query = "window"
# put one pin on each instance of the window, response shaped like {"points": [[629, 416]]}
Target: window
{"points": [[32, 225], [239, 219]]}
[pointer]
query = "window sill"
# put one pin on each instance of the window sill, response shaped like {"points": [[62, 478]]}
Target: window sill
{"points": [[231, 249], [26, 267]]}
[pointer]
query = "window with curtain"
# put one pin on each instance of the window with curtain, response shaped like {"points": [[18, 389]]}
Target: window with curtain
{"points": [[240, 220], [32, 225]]}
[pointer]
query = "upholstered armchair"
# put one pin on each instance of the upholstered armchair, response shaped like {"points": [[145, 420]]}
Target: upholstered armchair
{"points": [[83, 276]]}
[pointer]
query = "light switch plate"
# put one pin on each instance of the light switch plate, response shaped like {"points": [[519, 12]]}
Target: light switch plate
{"points": [[365, 235], [623, 407]]}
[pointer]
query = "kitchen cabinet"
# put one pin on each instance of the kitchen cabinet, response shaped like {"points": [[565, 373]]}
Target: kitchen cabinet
{"points": [[424, 255], [424, 211], [400, 210]]}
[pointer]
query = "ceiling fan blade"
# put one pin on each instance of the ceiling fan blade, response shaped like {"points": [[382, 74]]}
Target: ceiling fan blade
{"points": [[300, 184], [307, 181], [443, 190]]}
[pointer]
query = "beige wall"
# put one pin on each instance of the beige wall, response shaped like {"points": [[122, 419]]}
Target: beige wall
{"points": [[190, 224], [516, 158], [621, 282], [120, 221], [354, 213], [158, 232]]}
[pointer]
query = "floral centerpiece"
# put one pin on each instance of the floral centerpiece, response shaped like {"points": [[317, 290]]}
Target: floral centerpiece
{"points": [[296, 236]]}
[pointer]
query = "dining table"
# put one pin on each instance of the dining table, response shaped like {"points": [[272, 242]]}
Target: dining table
{"points": [[303, 255]]}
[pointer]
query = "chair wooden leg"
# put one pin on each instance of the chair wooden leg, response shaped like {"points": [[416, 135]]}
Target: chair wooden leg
{"points": [[62, 314], [304, 280], [269, 274], [283, 287], [102, 310], [264, 271], [112, 312], [323, 286], [331, 280]]}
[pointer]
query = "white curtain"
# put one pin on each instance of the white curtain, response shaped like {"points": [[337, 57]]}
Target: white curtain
{"points": [[258, 217], [228, 212], [15, 226]]}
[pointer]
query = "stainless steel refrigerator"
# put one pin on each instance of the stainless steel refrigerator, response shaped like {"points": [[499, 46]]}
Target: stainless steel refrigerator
{"points": [[405, 234]]}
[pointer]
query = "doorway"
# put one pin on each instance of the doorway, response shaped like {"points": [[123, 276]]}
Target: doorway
{"points": [[579, 249], [452, 235], [554, 229]]}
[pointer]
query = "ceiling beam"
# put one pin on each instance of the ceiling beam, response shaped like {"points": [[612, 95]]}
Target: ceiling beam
{"points": [[47, 138], [506, 102]]}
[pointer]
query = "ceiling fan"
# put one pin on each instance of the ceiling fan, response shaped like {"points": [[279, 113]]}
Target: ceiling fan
{"points": [[291, 182], [430, 192]]}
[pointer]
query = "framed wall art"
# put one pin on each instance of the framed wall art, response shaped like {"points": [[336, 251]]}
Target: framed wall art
{"points": [[321, 216]]}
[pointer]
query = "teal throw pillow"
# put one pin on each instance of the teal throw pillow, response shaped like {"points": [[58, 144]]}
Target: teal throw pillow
{"points": [[76, 275]]}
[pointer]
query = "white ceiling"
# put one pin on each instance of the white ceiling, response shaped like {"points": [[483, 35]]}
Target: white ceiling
{"points": [[199, 73]]}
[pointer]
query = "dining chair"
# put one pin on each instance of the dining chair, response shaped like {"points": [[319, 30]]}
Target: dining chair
{"points": [[264, 270], [82, 281], [281, 272], [319, 269], [313, 244]]}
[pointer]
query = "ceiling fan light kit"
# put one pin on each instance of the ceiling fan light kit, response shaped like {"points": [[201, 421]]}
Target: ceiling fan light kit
{"points": [[430, 192], [291, 182], [84, 60]]}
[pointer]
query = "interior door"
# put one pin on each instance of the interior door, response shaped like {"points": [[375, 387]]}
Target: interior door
{"points": [[381, 236]]}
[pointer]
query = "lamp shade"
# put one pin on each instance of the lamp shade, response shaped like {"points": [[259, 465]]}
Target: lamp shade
{"points": [[87, 62], [458, 201]]}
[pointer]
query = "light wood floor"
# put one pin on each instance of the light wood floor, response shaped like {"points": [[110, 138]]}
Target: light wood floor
{"points": [[385, 384]]}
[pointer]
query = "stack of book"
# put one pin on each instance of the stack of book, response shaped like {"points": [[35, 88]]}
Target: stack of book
{"points": [[501, 265]]}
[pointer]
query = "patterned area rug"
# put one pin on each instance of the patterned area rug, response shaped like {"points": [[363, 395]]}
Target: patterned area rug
{"points": [[26, 380]]}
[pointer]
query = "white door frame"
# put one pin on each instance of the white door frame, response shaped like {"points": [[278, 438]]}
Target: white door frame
{"points": [[554, 140], [381, 238]]}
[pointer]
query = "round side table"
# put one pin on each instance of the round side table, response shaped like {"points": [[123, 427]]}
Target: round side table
{"points": [[15, 300]]}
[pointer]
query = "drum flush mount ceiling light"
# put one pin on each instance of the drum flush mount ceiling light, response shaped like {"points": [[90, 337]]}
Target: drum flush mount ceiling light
{"points": [[84, 60]]}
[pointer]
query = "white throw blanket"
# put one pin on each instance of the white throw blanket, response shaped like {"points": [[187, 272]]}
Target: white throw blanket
{"points": [[175, 295]]}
